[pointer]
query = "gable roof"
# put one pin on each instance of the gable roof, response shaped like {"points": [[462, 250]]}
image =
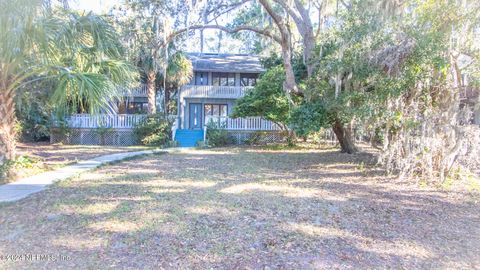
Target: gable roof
{"points": [[225, 62]]}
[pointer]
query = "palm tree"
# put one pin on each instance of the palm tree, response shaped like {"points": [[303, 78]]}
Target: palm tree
{"points": [[149, 63], [179, 72], [142, 31], [79, 53]]}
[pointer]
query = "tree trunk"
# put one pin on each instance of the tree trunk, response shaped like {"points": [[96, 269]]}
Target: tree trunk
{"points": [[166, 100], [290, 84], [305, 28], [220, 39], [151, 92], [309, 46], [344, 137], [205, 21], [292, 138], [7, 125]]}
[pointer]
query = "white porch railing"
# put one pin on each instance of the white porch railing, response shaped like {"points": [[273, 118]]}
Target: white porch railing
{"points": [[104, 120], [249, 123], [140, 91], [212, 91]]}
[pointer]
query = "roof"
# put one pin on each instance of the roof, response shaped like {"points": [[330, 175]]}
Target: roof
{"points": [[225, 62]]}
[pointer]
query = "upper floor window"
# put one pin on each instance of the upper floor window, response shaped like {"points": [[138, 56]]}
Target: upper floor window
{"points": [[248, 79], [201, 78], [223, 79]]}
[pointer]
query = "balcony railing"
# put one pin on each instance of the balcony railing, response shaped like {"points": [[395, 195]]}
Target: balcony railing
{"points": [[248, 123], [104, 120], [212, 91], [140, 91]]}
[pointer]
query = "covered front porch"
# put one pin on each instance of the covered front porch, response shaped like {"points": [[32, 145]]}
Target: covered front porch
{"points": [[129, 121], [203, 104], [239, 128]]}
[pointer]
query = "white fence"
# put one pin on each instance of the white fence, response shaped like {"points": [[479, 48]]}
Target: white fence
{"points": [[249, 123], [212, 91], [104, 120], [131, 120]]}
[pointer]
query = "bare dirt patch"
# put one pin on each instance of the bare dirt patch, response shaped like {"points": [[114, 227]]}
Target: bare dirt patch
{"points": [[42, 156], [244, 208], [59, 154]]}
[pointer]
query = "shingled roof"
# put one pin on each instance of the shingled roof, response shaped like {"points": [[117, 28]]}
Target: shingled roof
{"points": [[225, 62]]}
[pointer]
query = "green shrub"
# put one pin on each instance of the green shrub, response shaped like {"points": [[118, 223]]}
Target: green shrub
{"points": [[34, 112], [218, 136], [155, 130], [9, 168], [201, 145]]}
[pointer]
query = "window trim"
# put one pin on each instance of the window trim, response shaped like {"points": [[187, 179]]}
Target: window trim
{"points": [[250, 77], [204, 75], [224, 75], [219, 116]]}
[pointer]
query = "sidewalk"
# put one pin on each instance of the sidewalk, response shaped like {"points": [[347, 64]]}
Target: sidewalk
{"points": [[24, 187]]}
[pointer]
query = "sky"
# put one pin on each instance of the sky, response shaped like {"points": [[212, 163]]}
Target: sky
{"points": [[211, 40], [97, 6]]}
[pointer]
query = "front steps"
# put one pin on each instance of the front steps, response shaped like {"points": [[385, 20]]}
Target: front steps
{"points": [[188, 138]]}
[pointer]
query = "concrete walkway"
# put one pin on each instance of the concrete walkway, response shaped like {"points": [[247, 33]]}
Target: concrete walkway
{"points": [[24, 187]]}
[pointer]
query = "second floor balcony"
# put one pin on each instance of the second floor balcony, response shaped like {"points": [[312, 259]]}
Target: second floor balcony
{"points": [[213, 91], [139, 91]]}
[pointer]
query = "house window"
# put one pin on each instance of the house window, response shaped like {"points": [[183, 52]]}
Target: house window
{"points": [[201, 78], [248, 79], [139, 105], [122, 107], [216, 113], [223, 79]]}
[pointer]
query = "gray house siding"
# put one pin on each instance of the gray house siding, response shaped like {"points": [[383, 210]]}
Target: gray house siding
{"points": [[184, 109], [211, 63]]}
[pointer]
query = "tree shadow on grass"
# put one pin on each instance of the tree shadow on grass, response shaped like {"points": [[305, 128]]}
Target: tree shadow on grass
{"points": [[244, 209]]}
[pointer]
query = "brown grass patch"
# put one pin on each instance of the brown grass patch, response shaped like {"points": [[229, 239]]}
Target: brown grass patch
{"points": [[253, 208]]}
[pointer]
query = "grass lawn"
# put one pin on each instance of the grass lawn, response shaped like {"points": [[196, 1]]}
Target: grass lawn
{"points": [[243, 208]]}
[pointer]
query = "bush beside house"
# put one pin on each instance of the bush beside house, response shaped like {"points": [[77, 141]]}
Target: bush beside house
{"points": [[155, 130], [218, 136]]}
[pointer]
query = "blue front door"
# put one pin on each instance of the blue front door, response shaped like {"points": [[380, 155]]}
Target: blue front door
{"points": [[195, 116]]}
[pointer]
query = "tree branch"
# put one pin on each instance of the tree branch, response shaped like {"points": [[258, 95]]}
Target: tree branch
{"points": [[228, 8], [278, 20], [290, 10], [347, 6], [264, 32]]}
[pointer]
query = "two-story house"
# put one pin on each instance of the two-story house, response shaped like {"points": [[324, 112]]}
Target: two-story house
{"points": [[218, 81]]}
